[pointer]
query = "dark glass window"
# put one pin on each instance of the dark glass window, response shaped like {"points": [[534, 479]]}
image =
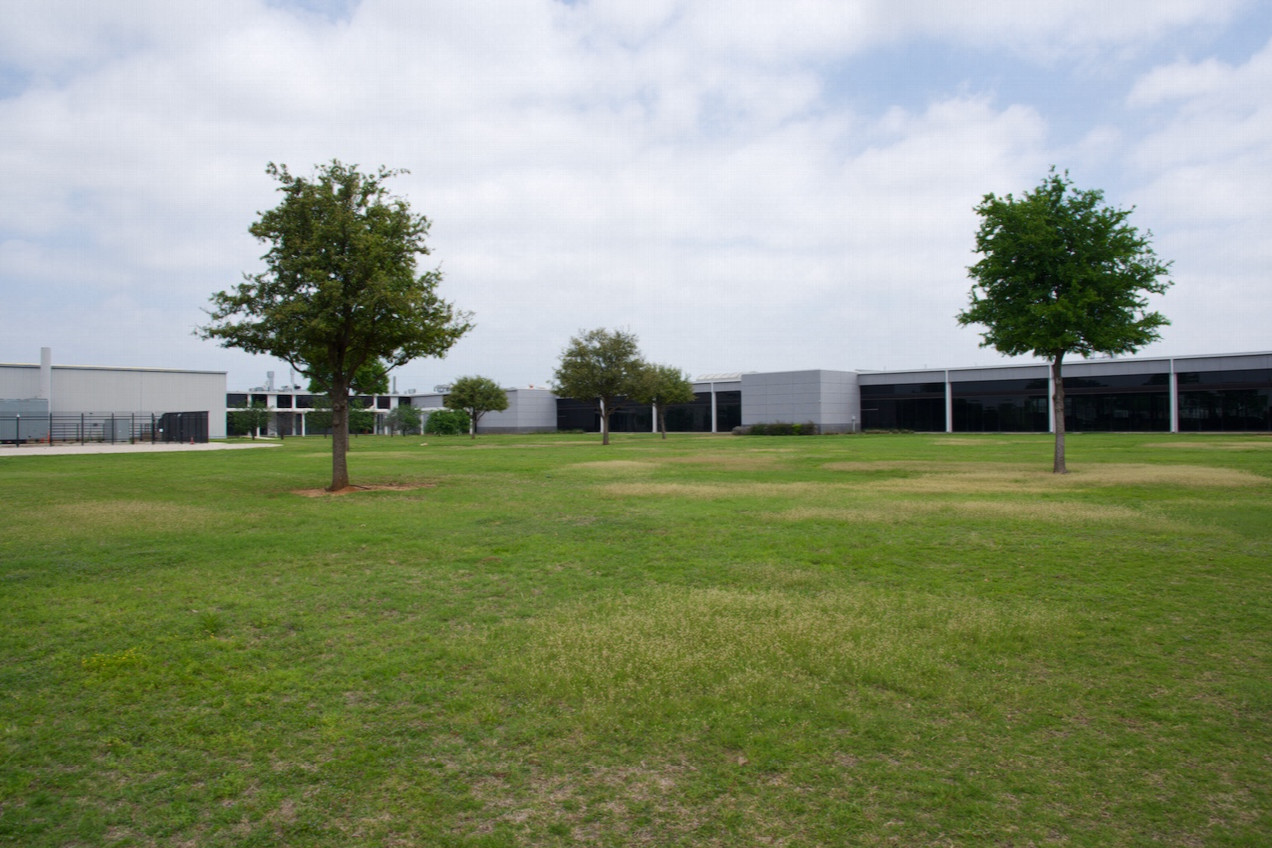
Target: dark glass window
{"points": [[901, 389], [262, 399], [236, 401], [999, 387], [304, 401], [283, 402], [1117, 381], [382, 402], [1141, 411]]}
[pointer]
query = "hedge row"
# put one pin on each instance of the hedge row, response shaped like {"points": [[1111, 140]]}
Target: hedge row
{"points": [[778, 428]]}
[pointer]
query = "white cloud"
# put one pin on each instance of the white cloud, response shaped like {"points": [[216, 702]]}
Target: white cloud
{"points": [[660, 166]]}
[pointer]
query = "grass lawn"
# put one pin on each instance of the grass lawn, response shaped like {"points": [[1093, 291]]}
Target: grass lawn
{"points": [[709, 640]]}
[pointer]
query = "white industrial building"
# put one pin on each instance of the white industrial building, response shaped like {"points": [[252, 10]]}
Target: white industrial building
{"points": [[91, 402]]}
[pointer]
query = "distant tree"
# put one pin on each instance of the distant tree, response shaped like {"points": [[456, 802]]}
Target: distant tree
{"points": [[319, 416], [476, 396], [600, 366], [340, 290], [1061, 273], [404, 419], [661, 386], [447, 422], [250, 421], [361, 419]]}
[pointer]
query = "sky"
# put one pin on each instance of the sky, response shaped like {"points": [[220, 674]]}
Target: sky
{"points": [[745, 186]]}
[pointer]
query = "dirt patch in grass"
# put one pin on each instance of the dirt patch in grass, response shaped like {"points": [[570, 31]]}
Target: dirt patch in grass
{"points": [[643, 803], [353, 490]]}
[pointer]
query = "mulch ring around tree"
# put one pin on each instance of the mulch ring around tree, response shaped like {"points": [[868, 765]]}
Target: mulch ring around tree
{"points": [[349, 490]]}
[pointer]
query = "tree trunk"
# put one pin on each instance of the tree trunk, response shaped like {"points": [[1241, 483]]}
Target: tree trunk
{"points": [[605, 414], [662, 422], [339, 437], [1057, 412], [472, 424]]}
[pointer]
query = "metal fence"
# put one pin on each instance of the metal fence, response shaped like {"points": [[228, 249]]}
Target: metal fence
{"points": [[104, 428]]}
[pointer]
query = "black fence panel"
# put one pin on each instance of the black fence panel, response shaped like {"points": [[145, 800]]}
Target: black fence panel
{"points": [[104, 428]]}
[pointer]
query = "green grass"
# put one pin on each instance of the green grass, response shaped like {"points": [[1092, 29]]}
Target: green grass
{"points": [[865, 640]]}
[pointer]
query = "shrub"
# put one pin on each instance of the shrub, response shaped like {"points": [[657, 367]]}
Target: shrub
{"points": [[778, 428], [447, 422]]}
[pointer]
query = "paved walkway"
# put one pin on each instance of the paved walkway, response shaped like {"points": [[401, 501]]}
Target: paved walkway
{"points": [[159, 447]]}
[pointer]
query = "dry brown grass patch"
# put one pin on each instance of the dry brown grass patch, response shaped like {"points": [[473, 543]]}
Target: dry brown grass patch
{"points": [[1219, 444], [614, 466], [1016, 479], [127, 516], [714, 491], [894, 513], [750, 461]]}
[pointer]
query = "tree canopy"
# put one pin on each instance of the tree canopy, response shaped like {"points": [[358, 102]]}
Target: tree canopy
{"points": [[1061, 273], [476, 396], [600, 366], [340, 289], [661, 386]]}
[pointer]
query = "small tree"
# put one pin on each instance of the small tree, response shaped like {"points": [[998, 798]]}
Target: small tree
{"points": [[250, 420], [661, 386], [319, 417], [340, 289], [476, 396], [600, 366], [404, 419], [361, 420], [1061, 273], [447, 422]]}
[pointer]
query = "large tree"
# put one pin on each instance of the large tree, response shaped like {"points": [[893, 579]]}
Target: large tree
{"points": [[600, 366], [1061, 273], [661, 386], [340, 289], [476, 396]]}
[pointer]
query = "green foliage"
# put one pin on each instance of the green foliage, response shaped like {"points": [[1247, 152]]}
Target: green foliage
{"points": [[1062, 273], [476, 396], [661, 386], [244, 422], [782, 428], [319, 417], [361, 419], [404, 419], [601, 366], [340, 292], [370, 379], [447, 422]]}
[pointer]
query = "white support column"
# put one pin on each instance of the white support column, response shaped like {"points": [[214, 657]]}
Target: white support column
{"points": [[714, 426], [949, 404], [1051, 400], [1174, 398]]}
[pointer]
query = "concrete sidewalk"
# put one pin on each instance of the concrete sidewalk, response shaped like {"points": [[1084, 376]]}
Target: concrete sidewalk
{"points": [[145, 447]]}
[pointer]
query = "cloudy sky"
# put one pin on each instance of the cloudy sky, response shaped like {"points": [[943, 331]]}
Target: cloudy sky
{"points": [[747, 186]]}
